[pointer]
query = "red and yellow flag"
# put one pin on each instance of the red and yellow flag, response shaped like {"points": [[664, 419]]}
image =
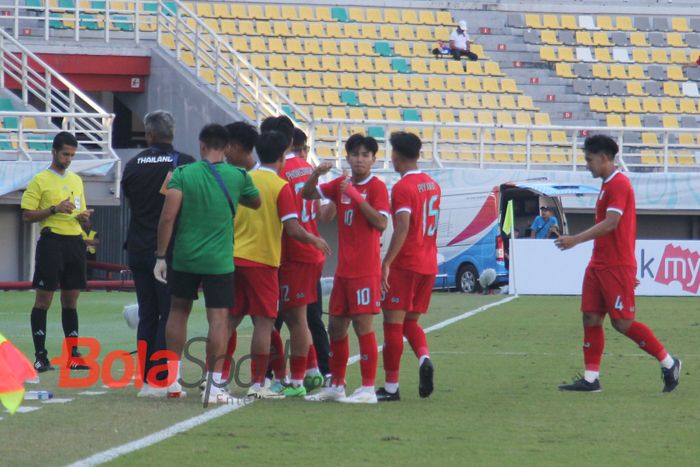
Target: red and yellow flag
{"points": [[15, 369]]}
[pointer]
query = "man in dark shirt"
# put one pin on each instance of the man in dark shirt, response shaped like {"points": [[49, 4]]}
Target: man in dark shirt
{"points": [[143, 183]]}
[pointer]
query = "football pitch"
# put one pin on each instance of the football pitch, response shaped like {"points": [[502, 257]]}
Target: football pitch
{"points": [[495, 402]]}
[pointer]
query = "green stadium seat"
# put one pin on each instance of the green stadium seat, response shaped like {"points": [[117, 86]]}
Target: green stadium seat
{"points": [[383, 49], [5, 144], [375, 132], [340, 14], [121, 23], [38, 142], [400, 65], [11, 123], [410, 115], [349, 98], [98, 4], [56, 21], [287, 109], [6, 104], [66, 3], [34, 3]]}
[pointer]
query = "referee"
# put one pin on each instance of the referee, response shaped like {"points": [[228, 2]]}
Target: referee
{"points": [[143, 183], [55, 198]]}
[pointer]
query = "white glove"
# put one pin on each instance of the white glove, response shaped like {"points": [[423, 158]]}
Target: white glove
{"points": [[160, 271]]}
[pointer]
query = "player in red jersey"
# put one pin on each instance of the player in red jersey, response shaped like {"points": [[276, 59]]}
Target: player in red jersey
{"points": [[410, 265], [299, 273], [609, 281], [363, 209]]}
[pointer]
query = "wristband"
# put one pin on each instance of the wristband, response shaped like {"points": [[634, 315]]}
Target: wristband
{"points": [[52, 209], [159, 257], [352, 193]]}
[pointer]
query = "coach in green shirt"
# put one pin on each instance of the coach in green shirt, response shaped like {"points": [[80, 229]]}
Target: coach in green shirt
{"points": [[203, 197]]}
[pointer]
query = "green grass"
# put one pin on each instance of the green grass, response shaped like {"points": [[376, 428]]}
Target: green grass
{"points": [[495, 402]]}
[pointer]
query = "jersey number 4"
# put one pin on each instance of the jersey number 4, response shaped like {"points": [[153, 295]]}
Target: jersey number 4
{"points": [[430, 216], [618, 303]]}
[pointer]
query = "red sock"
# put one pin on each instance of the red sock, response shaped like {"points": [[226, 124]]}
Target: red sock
{"points": [[258, 367], [230, 350], [368, 358], [340, 351], [298, 366], [593, 345], [277, 360], [393, 348], [646, 340], [311, 359], [416, 337]]}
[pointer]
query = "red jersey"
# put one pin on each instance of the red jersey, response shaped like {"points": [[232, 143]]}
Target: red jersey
{"points": [[617, 247], [296, 171], [419, 195], [358, 241]]}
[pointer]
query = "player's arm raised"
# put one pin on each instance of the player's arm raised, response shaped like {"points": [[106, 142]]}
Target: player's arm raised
{"points": [[309, 190], [166, 223], [612, 219], [374, 217], [402, 221]]}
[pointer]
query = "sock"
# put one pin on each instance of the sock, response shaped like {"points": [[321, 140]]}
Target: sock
{"points": [[338, 356], [230, 350], [393, 348], [416, 337], [69, 319], [277, 361], [391, 387], [593, 345], [368, 359], [311, 359], [667, 362], [297, 366], [422, 359], [258, 366], [646, 340], [38, 321]]}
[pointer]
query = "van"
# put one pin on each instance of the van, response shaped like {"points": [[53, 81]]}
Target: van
{"points": [[469, 237]]}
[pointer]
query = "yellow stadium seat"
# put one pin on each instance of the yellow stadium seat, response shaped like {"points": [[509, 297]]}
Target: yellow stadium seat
{"points": [[549, 37], [256, 12], [424, 33], [447, 116], [427, 17], [293, 63], [602, 54], [550, 22], [650, 105], [478, 49], [650, 138], [281, 29], [246, 28], [273, 12], [347, 81], [454, 84], [613, 120], [373, 15], [679, 56], [491, 85], [618, 72], [314, 97], [357, 14], [392, 16], [600, 71], [559, 136], [548, 54], [364, 48], [333, 30], [400, 83], [393, 114], [257, 44], [418, 65], [492, 69], [649, 157], [659, 55], [228, 27], [568, 22], [317, 30], [624, 23], [504, 118], [490, 101], [329, 47], [633, 121], [638, 39], [388, 32], [402, 49], [507, 101], [566, 54], [675, 39], [323, 13], [369, 31], [289, 13], [435, 101], [584, 38], [474, 84], [444, 17], [632, 104], [472, 101], [597, 104], [466, 116], [311, 63], [383, 82], [539, 136], [680, 25], [352, 31], [221, 10], [614, 104], [316, 80], [297, 96], [508, 85], [365, 82], [417, 99], [675, 73], [640, 56], [349, 65], [238, 11], [474, 69], [669, 121], [502, 136], [436, 66], [485, 117], [668, 105], [671, 89], [687, 106], [605, 23], [525, 103], [564, 70], [418, 83], [204, 10], [384, 99], [533, 21], [409, 16], [636, 72], [601, 39], [258, 61], [366, 98], [263, 28], [299, 29], [454, 67], [356, 113], [276, 45], [523, 118]]}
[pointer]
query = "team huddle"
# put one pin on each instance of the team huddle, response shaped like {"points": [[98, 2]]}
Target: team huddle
{"points": [[268, 261]]}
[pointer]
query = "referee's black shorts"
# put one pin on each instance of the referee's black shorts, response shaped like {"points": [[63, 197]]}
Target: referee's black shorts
{"points": [[60, 262]]}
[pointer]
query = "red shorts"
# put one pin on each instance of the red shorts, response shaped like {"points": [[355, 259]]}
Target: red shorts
{"points": [[355, 296], [257, 292], [609, 290], [408, 291], [298, 283]]}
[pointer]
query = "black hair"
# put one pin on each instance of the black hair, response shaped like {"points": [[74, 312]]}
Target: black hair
{"points": [[64, 138], [357, 140], [214, 136], [598, 144], [281, 124], [406, 144], [271, 146], [242, 133], [299, 138]]}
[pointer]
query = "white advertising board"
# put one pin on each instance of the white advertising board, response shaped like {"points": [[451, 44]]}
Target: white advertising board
{"points": [[664, 267]]}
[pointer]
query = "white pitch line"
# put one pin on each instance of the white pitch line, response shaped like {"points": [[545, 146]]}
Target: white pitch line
{"points": [[157, 437]]}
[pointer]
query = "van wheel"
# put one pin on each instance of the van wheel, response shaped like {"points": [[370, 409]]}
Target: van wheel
{"points": [[467, 279]]}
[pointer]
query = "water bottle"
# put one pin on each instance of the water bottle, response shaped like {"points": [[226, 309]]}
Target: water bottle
{"points": [[38, 395]]}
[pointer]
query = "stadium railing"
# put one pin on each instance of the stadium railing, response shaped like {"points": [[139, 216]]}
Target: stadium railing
{"points": [[213, 59]]}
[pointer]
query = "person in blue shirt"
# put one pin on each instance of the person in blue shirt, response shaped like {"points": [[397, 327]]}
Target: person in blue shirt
{"points": [[543, 223]]}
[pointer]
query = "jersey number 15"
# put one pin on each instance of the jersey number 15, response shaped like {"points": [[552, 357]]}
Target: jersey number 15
{"points": [[430, 216]]}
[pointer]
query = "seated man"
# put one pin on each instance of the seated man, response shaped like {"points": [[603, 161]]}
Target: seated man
{"points": [[442, 50], [543, 223], [459, 43]]}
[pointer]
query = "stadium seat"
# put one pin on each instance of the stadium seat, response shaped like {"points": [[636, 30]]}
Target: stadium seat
{"points": [[568, 22], [675, 73], [624, 23], [680, 25], [549, 37], [638, 39], [564, 70], [533, 21], [550, 22]]}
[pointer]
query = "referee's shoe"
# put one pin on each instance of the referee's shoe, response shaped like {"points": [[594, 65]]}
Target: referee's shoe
{"points": [[42, 363], [76, 361]]}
